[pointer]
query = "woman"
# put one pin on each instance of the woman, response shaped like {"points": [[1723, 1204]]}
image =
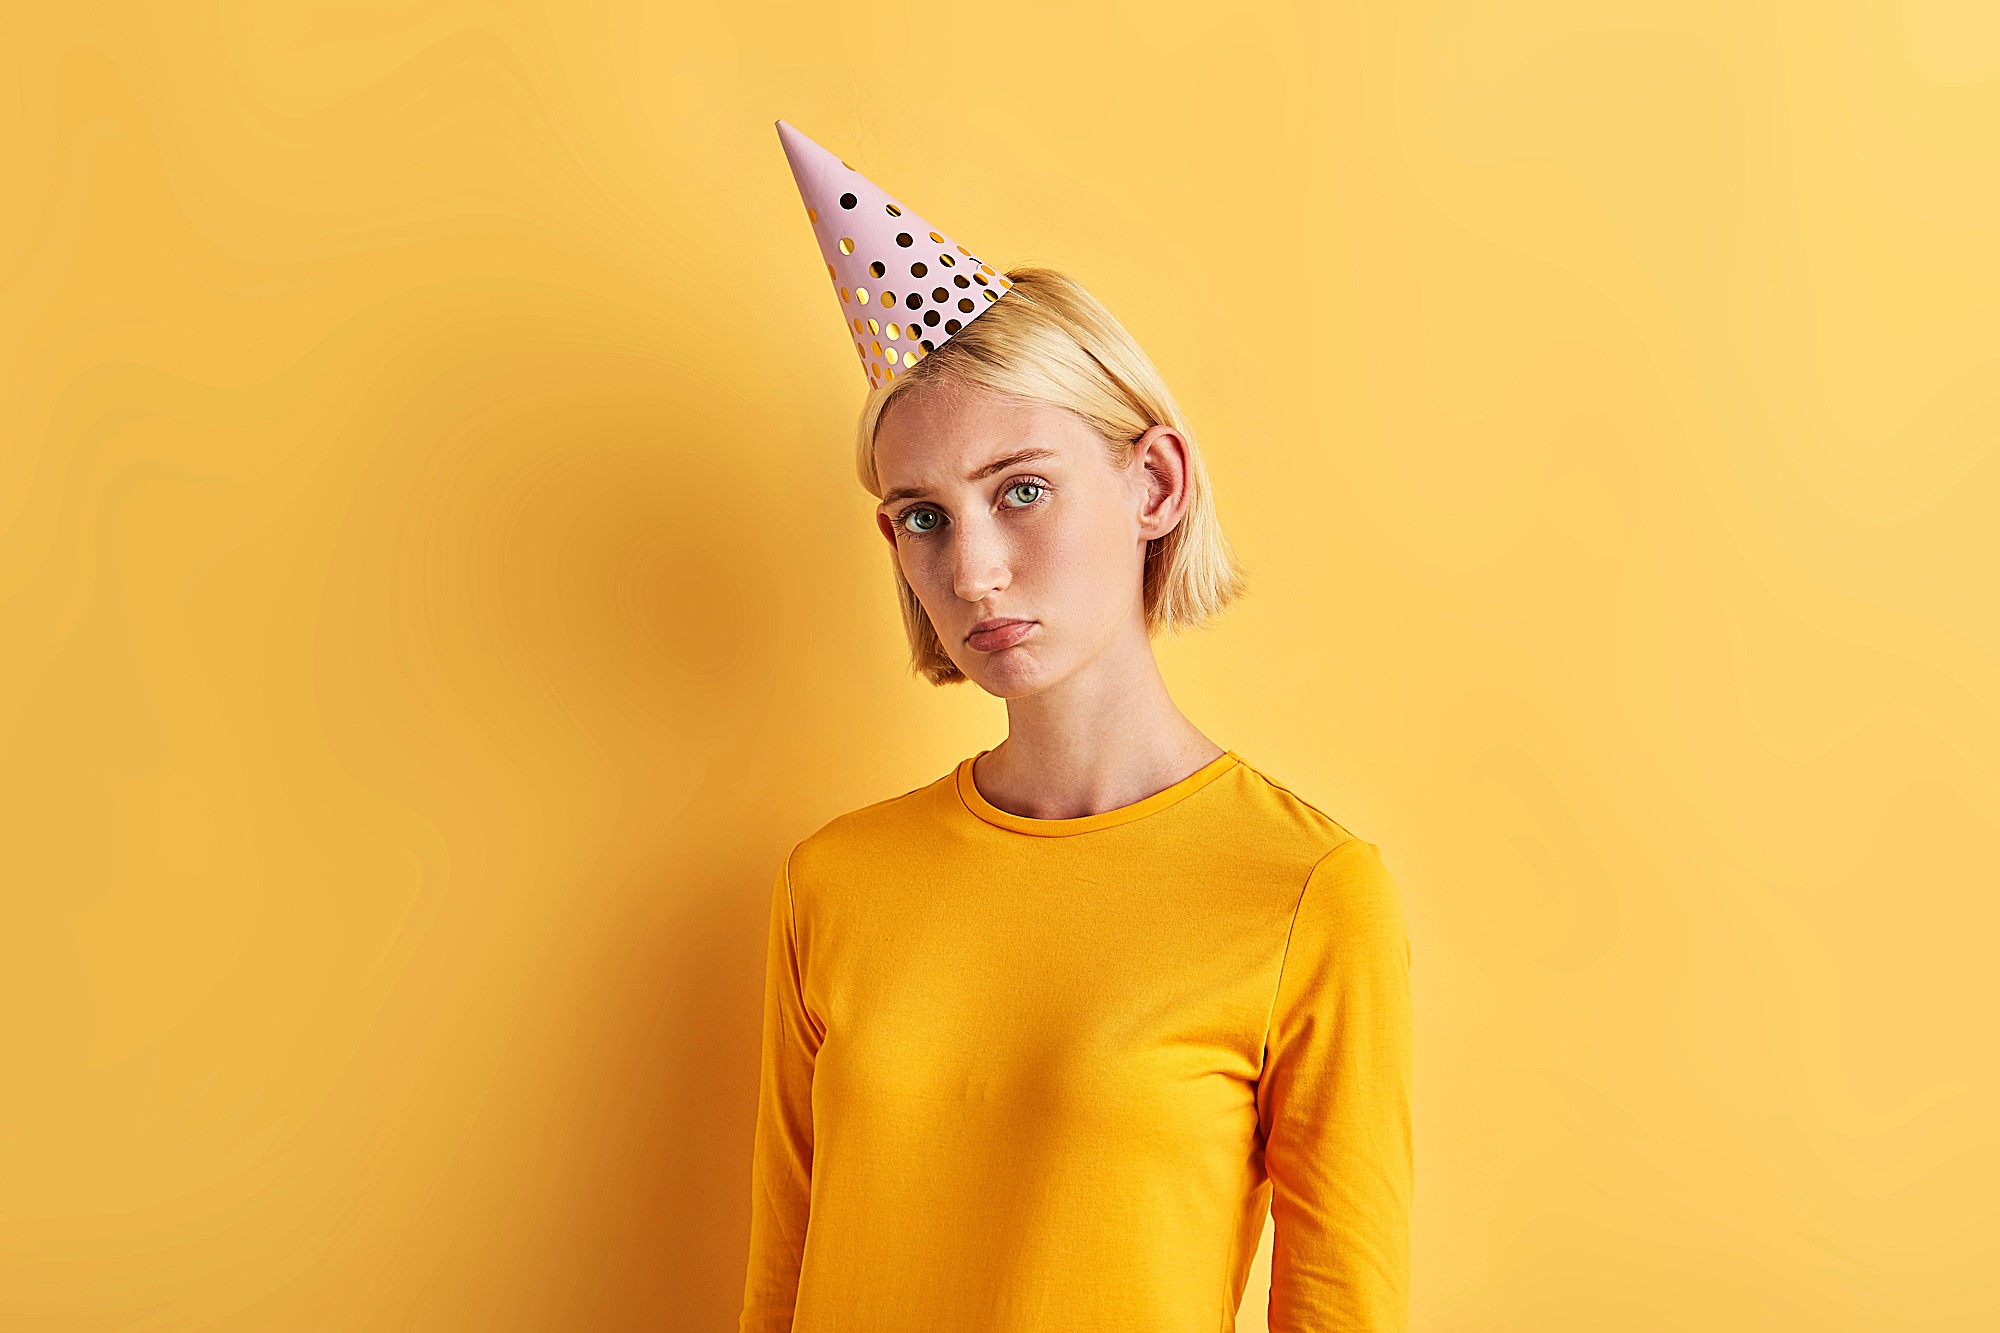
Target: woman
{"points": [[1044, 1039]]}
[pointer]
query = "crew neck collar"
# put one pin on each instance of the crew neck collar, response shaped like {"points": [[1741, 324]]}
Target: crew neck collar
{"points": [[978, 805]]}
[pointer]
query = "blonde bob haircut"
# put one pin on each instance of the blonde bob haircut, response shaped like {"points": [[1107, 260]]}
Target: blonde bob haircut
{"points": [[1048, 341]]}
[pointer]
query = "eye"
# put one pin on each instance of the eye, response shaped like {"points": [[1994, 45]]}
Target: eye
{"points": [[907, 521]]}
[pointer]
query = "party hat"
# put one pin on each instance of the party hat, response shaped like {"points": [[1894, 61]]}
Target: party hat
{"points": [[905, 287]]}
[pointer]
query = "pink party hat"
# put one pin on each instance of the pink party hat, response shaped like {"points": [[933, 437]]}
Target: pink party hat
{"points": [[905, 287]]}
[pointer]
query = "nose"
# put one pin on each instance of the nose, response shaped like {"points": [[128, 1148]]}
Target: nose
{"points": [[979, 560]]}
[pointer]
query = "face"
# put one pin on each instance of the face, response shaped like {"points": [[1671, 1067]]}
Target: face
{"points": [[1010, 512]]}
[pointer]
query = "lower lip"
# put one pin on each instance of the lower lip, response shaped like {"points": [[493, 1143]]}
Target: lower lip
{"points": [[1006, 636]]}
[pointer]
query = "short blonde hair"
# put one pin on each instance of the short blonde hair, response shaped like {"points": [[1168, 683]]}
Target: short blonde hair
{"points": [[1049, 341]]}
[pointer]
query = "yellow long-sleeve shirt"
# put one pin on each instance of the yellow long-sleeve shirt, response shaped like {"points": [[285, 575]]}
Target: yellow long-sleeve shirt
{"points": [[1048, 1074]]}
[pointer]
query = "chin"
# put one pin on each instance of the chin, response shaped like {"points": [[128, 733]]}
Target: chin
{"points": [[1007, 675]]}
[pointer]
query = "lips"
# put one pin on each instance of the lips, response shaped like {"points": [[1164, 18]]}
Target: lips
{"points": [[993, 635]]}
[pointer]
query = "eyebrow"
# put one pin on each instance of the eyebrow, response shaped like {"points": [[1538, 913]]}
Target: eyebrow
{"points": [[997, 465]]}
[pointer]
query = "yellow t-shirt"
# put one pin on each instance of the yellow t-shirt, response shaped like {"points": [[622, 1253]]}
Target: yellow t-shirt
{"points": [[1049, 1074]]}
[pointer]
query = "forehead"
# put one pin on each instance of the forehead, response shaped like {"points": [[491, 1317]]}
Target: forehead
{"points": [[936, 435]]}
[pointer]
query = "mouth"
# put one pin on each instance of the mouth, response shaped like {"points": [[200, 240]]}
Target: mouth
{"points": [[990, 636]]}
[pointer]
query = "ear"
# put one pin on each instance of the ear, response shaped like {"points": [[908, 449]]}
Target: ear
{"points": [[888, 527], [1163, 454]]}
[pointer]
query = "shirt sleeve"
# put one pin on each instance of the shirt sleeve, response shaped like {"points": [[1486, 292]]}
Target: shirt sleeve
{"points": [[782, 1152], [1333, 1104]]}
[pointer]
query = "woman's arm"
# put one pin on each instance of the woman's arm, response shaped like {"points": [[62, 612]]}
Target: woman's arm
{"points": [[1334, 1105], [781, 1158]]}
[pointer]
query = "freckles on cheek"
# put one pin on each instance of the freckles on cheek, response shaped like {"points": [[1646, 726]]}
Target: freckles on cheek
{"points": [[1091, 551], [917, 569]]}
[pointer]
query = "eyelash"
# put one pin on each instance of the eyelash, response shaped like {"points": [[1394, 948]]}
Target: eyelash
{"points": [[1015, 485]]}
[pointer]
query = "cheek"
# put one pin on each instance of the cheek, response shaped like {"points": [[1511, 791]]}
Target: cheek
{"points": [[924, 569], [1082, 561]]}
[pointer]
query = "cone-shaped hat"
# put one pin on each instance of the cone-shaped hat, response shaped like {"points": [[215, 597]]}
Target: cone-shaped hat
{"points": [[905, 287]]}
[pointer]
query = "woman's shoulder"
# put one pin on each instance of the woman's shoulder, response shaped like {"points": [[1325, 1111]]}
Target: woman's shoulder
{"points": [[889, 821], [1281, 803]]}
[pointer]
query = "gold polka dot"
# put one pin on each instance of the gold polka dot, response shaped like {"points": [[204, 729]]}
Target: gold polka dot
{"points": [[947, 261], [909, 358], [861, 295], [962, 250], [873, 327], [888, 298], [843, 294], [895, 332], [847, 245], [812, 212], [894, 211], [939, 239], [987, 269]]}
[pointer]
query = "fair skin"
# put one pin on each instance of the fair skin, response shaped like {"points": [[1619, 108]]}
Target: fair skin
{"points": [[1059, 541]]}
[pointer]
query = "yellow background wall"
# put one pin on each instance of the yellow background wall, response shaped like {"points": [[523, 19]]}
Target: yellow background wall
{"points": [[435, 593]]}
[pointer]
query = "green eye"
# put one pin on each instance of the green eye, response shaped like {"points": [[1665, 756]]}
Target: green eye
{"points": [[906, 522]]}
